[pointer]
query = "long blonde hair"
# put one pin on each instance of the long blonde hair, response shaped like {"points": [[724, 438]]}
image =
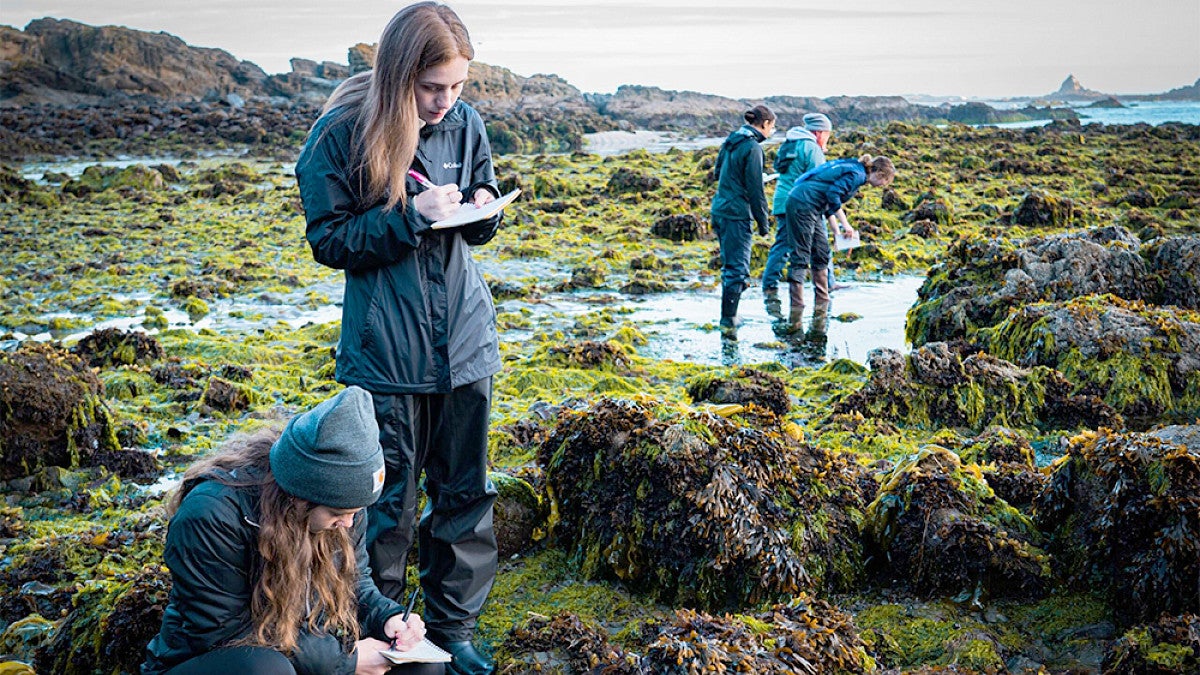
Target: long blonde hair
{"points": [[420, 36], [304, 577]]}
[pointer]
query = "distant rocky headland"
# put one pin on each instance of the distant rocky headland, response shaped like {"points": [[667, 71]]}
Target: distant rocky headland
{"points": [[71, 89]]}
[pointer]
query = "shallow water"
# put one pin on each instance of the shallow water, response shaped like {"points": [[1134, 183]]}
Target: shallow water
{"points": [[679, 326]]}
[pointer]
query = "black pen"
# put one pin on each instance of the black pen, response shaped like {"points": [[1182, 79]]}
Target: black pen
{"points": [[412, 600]]}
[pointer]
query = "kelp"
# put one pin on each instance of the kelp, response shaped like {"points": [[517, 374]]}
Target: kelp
{"points": [[1123, 515], [691, 507]]}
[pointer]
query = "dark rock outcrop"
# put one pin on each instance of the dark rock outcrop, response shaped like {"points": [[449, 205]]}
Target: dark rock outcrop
{"points": [[1121, 511], [52, 411]]}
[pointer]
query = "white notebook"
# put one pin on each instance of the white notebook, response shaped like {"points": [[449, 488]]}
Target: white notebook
{"points": [[425, 652], [469, 213]]}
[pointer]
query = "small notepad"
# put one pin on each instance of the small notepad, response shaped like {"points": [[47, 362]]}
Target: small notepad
{"points": [[469, 213], [425, 652], [842, 243]]}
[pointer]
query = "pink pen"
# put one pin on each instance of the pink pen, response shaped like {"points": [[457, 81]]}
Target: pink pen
{"points": [[416, 175]]}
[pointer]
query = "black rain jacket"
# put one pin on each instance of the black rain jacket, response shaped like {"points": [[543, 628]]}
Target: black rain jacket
{"points": [[212, 552], [417, 317]]}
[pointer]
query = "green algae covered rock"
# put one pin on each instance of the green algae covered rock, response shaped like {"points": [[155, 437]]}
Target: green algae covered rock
{"points": [[982, 280], [109, 347], [937, 385], [941, 529], [697, 509], [98, 178], [1140, 359], [51, 411], [520, 514], [626, 180], [1122, 513], [1040, 209], [741, 386], [1169, 646]]}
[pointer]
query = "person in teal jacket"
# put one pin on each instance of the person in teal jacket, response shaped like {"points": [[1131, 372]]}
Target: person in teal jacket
{"points": [[739, 203], [803, 149], [817, 195]]}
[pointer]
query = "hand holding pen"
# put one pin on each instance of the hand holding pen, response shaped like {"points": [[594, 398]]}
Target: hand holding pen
{"points": [[406, 630], [482, 195], [436, 202]]}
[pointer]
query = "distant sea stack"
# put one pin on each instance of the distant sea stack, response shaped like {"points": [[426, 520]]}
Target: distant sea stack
{"points": [[1071, 89]]}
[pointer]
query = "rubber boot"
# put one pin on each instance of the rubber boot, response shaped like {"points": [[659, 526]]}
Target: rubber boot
{"points": [[771, 300], [729, 306], [821, 288], [817, 337], [796, 305]]}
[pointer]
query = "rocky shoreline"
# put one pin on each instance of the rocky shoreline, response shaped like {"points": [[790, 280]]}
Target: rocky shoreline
{"points": [[1019, 492]]}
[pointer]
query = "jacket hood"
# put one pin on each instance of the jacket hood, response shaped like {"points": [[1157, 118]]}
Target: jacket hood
{"points": [[746, 133], [800, 133]]}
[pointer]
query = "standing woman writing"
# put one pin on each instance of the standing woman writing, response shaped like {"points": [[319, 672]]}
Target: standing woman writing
{"points": [[739, 203], [817, 195], [418, 324]]}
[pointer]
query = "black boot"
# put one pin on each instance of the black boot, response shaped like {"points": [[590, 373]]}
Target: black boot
{"points": [[729, 306], [467, 660]]}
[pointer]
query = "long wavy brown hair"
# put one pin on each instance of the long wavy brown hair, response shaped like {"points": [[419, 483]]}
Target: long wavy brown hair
{"points": [[304, 578], [420, 36]]}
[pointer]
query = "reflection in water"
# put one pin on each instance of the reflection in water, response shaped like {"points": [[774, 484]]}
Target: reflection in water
{"points": [[682, 326]]}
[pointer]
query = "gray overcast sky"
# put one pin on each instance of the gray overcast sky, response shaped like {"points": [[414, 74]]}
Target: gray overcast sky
{"points": [[765, 47]]}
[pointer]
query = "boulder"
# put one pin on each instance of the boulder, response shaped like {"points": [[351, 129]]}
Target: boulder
{"points": [[939, 386], [1142, 360], [519, 514], [981, 280], [1120, 510], [626, 180], [109, 347], [1177, 265], [742, 386], [941, 529], [681, 227], [1039, 209], [52, 411], [697, 509]]}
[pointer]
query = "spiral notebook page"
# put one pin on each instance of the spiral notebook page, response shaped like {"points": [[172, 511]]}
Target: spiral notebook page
{"points": [[425, 652], [469, 213]]}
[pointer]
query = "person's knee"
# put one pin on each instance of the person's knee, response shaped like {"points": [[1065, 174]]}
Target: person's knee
{"points": [[268, 662]]}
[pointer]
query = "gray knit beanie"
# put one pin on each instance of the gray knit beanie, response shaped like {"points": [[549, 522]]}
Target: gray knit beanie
{"points": [[817, 122], [331, 455]]}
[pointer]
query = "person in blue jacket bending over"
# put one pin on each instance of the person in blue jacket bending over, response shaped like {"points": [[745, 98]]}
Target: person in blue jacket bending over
{"points": [[817, 195], [803, 149]]}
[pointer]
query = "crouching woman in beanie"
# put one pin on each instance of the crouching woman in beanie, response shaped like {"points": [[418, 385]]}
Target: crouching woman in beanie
{"points": [[265, 546]]}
